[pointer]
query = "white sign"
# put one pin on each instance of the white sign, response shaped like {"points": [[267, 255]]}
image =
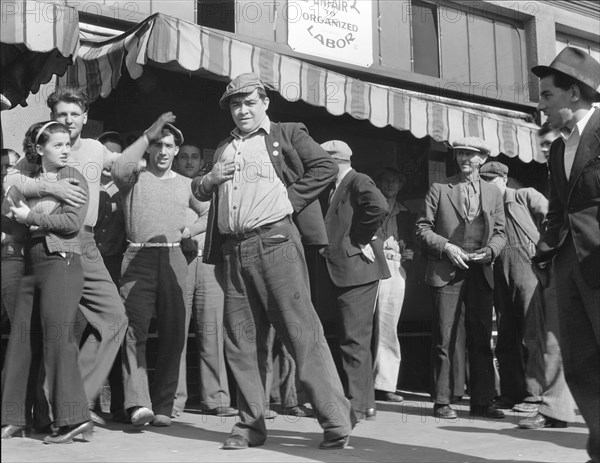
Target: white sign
{"points": [[336, 29]]}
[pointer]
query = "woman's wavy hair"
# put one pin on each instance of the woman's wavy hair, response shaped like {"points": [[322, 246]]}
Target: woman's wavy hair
{"points": [[34, 137]]}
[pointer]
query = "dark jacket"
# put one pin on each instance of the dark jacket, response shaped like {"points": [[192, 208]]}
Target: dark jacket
{"points": [[440, 223], [574, 203], [303, 166], [356, 211]]}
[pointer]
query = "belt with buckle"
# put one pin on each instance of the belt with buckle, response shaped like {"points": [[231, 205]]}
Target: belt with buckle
{"points": [[241, 236], [154, 245], [12, 249], [392, 255]]}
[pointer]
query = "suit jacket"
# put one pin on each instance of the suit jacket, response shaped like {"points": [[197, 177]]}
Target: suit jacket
{"points": [[356, 211], [441, 221], [574, 202], [303, 166]]}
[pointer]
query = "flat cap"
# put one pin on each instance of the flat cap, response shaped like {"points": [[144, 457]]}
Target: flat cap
{"points": [[337, 149], [244, 83], [493, 169], [472, 144], [176, 133]]}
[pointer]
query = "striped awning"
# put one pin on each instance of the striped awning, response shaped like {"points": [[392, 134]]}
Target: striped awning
{"points": [[162, 40], [38, 40]]}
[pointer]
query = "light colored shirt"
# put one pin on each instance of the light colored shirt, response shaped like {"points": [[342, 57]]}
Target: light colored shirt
{"points": [[155, 209], [470, 193], [255, 196], [572, 142]]}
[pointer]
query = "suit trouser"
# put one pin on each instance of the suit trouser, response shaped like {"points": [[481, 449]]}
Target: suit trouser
{"points": [[464, 305], [579, 320], [266, 283], [386, 365], [153, 279], [516, 291], [42, 332], [102, 308], [544, 363], [204, 304]]}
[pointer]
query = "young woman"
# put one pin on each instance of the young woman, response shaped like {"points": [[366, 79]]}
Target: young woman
{"points": [[48, 299]]}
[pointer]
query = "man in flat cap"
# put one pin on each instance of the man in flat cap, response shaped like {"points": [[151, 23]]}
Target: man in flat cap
{"points": [[568, 87], [355, 209], [530, 364], [462, 231], [263, 187], [154, 273]]}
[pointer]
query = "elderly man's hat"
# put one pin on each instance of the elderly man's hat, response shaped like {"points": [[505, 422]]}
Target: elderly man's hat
{"points": [[474, 144], [574, 63], [493, 169], [337, 149], [244, 83]]}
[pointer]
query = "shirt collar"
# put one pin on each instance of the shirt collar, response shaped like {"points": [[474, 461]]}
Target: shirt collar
{"points": [[265, 125], [581, 124]]}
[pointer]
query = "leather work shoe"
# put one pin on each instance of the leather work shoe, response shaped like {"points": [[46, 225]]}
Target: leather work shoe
{"points": [[141, 416], [386, 396], [370, 414], [335, 444], [66, 434], [221, 411], [301, 411], [97, 418], [237, 443], [540, 421], [486, 411], [161, 421], [444, 411], [504, 403], [11, 430]]}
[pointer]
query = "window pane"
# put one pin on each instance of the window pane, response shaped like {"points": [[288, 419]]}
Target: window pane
{"points": [[217, 14], [425, 39]]}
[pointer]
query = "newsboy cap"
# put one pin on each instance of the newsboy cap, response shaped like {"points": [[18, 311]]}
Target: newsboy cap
{"points": [[493, 169], [574, 63], [177, 135], [337, 149], [475, 144], [244, 83]]}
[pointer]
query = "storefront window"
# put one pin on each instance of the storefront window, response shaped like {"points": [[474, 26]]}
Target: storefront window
{"points": [[218, 14], [425, 39]]}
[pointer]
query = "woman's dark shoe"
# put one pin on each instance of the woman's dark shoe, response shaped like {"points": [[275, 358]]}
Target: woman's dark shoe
{"points": [[66, 434], [11, 430]]}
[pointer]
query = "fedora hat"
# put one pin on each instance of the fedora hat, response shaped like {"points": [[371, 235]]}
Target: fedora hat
{"points": [[574, 63]]}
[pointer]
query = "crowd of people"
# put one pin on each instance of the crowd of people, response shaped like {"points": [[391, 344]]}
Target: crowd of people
{"points": [[251, 248]]}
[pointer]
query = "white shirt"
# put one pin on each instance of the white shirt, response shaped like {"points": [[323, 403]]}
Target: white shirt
{"points": [[572, 142]]}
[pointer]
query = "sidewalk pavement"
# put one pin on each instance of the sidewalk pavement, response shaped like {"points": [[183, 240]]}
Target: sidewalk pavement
{"points": [[405, 432]]}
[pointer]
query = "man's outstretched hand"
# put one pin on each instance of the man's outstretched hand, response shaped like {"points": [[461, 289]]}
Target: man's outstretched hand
{"points": [[155, 130]]}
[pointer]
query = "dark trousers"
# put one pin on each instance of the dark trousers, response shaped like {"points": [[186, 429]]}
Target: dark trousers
{"points": [[462, 315], [42, 334], [103, 310], [516, 291], [579, 319], [13, 267], [355, 307], [153, 279], [266, 283]]}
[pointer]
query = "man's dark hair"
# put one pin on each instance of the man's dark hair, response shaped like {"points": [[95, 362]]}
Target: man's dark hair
{"points": [[565, 82], [67, 95]]}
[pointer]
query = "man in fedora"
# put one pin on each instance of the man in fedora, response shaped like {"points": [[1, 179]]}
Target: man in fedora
{"points": [[355, 210], [568, 87], [154, 273], [263, 185], [462, 231]]}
